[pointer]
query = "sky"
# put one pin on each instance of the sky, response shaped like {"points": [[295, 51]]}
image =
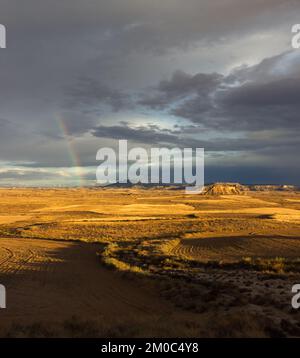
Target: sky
{"points": [[78, 75]]}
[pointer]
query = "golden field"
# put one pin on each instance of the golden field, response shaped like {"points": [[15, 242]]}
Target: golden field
{"points": [[148, 263]]}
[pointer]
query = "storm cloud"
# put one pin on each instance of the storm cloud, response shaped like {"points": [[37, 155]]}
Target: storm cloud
{"points": [[78, 75]]}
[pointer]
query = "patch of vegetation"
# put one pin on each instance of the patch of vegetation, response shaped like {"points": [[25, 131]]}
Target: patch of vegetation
{"points": [[279, 265], [107, 257]]}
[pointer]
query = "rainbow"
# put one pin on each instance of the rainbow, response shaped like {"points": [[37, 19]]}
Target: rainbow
{"points": [[74, 157]]}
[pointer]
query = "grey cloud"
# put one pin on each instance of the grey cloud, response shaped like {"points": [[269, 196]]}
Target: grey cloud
{"points": [[279, 92], [21, 175], [88, 95], [116, 48], [143, 25], [141, 134], [182, 86], [88, 99], [246, 99], [278, 141]]}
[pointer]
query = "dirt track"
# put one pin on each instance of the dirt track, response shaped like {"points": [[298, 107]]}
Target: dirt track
{"points": [[49, 279]]}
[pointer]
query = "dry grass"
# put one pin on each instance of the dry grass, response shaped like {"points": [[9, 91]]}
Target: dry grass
{"points": [[177, 261]]}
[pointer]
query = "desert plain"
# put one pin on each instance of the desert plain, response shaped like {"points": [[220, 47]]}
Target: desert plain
{"points": [[156, 262]]}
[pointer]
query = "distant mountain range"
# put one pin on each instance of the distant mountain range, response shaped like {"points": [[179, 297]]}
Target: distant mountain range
{"points": [[212, 188]]}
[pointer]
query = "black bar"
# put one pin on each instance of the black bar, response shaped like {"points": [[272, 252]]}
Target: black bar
{"points": [[97, 346]]}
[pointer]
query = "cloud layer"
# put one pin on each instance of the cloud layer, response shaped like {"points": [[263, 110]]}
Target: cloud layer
{"points": [[78, 75]]}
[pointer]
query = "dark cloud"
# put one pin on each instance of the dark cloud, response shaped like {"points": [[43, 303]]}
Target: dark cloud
{"points": [[88, 95], [265, 96], [88, 99], [284, 92], [73, 69], [142, 134], [182, 138], [182, 86]]}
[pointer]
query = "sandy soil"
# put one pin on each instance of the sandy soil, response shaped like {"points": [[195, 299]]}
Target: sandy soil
{"points": [[50, 280], [234, 248]]}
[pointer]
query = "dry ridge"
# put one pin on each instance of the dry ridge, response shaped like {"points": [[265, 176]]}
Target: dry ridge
{"points": [[225, 189]]}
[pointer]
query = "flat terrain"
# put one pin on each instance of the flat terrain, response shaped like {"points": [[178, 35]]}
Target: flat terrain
{"points": [[155, 262], [234, 248], [48, 279]]}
